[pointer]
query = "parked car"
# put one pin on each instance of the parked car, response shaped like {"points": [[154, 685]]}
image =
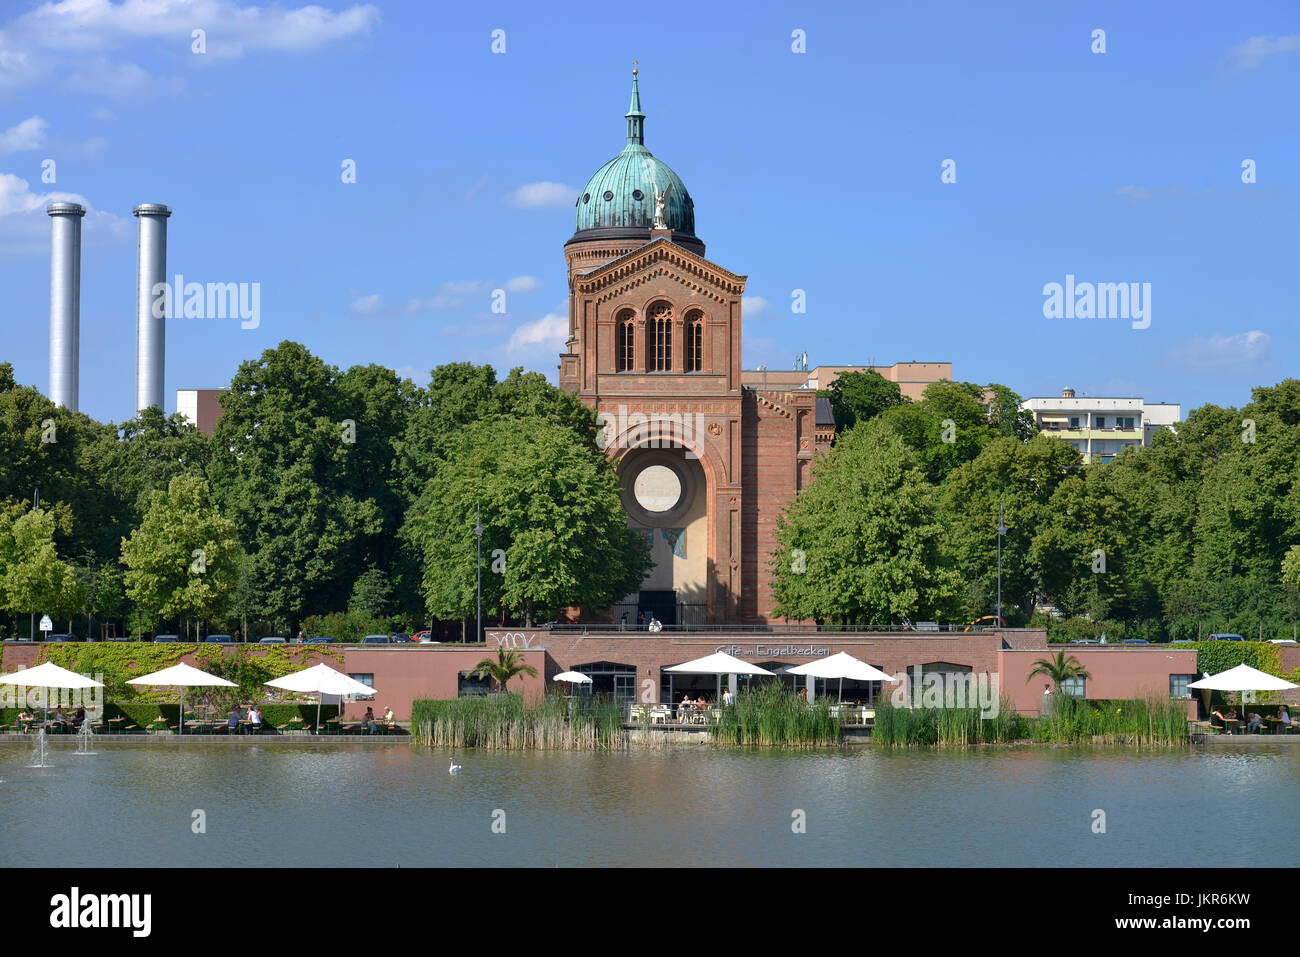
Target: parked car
{"points": [[1136, 641], [271, 641], [166, 638], [376, 640], [1226, 636], [1085, 641], [424, 637], [121, 638], [402, 637], [1281, 641], [62, 638], [322, 640], [220, 639]]}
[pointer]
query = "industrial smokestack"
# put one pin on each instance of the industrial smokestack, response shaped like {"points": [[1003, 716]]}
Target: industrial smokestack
{"points": [[65, 302], [150, 331]]}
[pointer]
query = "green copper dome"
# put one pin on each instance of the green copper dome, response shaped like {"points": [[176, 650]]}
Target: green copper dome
{"points": [[620, 198]]}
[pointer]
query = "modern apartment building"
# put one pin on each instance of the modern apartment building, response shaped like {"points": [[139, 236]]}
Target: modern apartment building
{"points": [[1101, 427]]}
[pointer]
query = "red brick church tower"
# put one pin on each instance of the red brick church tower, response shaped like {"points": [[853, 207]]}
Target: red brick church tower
{"points": [[705, 464]]}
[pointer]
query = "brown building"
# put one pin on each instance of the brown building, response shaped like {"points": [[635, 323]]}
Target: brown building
{"points": [[705, 461], [202, 407], [912, 377]]}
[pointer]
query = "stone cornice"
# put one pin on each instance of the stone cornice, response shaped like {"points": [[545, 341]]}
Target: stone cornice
{"points": [[623, 272]]}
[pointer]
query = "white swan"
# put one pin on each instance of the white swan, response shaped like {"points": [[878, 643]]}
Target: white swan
{"points": [[452, 766]]}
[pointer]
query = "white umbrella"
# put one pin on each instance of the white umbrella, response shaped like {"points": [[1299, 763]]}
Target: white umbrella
{"points": [[1242, 678], [49, 675], [572, 677], [720, 663], [842, 665], [182, 676], [321, 679]]}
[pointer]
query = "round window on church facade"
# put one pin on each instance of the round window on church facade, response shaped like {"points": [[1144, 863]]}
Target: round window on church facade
{"points": [[608, 196], [657, 488]]}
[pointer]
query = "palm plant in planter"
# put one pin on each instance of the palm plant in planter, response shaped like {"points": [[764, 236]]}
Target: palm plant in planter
{"points": [[507, 665]]}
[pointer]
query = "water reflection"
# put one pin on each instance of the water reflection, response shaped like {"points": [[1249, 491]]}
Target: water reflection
{"points": [[324, 805]]}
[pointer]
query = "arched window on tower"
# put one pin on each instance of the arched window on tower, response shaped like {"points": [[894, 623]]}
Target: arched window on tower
{"points": [[625, 341], [660, 327], [694, 342]]}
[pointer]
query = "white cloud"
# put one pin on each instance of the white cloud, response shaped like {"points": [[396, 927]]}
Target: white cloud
{"points": [[27, 135], [25, 229], [546, 334], [231, 28], [541, 195], [752, 306], [42, 42], [366, 305], [522, 284], [1256, 50], [1241, 352], [103, 114]]}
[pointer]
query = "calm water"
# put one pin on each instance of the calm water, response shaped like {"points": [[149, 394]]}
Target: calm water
{"points": [[398, 805]]}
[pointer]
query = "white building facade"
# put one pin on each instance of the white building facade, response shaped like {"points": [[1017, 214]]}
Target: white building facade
{"points": [[1100, 427]]}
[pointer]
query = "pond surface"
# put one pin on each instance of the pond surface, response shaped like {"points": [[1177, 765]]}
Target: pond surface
{"points": [[384, 806]]}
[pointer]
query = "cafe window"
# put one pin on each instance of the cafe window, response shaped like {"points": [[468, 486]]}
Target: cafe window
{"points": [[368, 681], [1076, 687], [469, 686], [1178, 686]]}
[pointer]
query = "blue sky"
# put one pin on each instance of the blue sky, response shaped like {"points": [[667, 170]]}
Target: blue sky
{"points": [[817, 171]]}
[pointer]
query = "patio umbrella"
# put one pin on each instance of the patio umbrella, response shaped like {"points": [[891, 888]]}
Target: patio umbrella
{"points": [[321, 679], [842, 665], [1243, 678], [182, 676], [720, 663], [49, 675], [572, 677]]}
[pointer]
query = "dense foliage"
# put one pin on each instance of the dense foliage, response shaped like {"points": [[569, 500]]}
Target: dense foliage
{"points": [[331, 497], [1199, 532]]}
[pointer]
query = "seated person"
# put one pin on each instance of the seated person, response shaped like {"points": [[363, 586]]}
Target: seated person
{"points": [[389, 719], [255, 718], [684, 709], [1283, 717], [80, 718], [368, 722], [23, 720], [233, 723], [1255, 723]]}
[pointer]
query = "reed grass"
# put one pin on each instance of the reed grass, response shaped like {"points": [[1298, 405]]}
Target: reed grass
{"points": [[772, 716], [506, 721], [1146, 722], [1153, 721], [945, 727]]}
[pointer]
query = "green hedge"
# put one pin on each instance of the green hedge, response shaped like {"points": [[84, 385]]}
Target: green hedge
{"points": [[1216, 656], [249, 666]]}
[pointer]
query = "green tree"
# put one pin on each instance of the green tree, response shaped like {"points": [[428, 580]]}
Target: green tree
{"points": [[861, 396], [372, 595], [33, 579], [555, 534], [862, 541], [507, 664], [1006, 416], [281, 470], [947, 427], [184, 558], [1058, 670], [1022, 477]]}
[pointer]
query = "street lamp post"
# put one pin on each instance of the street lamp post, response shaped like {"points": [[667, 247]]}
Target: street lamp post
{"points": [[1002, 530], [478, 573]]}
